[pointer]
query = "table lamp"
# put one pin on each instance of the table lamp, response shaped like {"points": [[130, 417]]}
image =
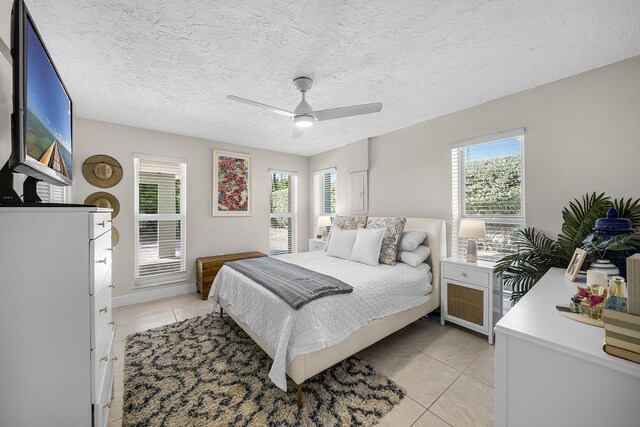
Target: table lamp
{"points": [[324, 222], [472, 229]]}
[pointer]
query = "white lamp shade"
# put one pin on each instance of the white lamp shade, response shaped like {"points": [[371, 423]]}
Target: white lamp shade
{"points": [[472, 229], [324, 221]]}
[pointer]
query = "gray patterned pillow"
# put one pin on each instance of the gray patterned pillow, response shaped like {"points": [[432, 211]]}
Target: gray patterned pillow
{"points": [[394, 227], [346, 223]]}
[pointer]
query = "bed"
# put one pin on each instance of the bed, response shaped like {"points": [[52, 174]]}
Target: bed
{"points": [[307, 341]]}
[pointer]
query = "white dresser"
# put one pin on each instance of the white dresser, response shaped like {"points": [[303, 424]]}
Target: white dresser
{"points": [[56, 332], [552, 371]]}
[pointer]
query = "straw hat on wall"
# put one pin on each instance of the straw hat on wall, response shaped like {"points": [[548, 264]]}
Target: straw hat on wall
{"points": [[102, 199], [102, 171]]}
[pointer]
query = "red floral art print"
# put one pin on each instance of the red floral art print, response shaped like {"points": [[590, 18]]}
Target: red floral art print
{"points": [[233, 184]]}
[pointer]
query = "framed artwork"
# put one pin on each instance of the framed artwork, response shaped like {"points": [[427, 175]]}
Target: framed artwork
{"points": [[574, 265], [232, 178]]}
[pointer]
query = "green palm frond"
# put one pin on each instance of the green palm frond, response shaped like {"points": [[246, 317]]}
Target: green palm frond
{"points": [[629, 209], [579, 218]]}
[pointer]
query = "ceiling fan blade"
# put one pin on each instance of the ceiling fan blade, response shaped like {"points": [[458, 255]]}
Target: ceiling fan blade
{"points": [[258, 104], [354, 110]]}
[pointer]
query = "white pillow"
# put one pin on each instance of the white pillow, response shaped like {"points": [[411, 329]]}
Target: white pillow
{"points": [[366, 248], [417, 257], [410, 240], [341, 243]]}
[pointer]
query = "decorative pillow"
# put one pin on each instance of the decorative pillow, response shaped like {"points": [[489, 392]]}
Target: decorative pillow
{"points": [[366, 248], [341, 245], [410, 240], [416, 257], [393, 227], [346, 223]]}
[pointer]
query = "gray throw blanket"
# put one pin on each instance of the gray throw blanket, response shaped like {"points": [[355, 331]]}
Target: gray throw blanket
{"points": [[296, 285]]}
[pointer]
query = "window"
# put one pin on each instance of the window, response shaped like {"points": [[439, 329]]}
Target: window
{"points": [[160, 219], [324, 194], [488, 183], [283, 233]]}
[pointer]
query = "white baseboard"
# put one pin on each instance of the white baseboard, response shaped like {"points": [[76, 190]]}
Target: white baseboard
{"points": [[152, 295]]}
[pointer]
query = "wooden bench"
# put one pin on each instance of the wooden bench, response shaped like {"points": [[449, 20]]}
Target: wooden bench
{"points": [[208, 268]]}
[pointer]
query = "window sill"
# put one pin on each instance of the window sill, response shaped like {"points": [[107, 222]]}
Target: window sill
{"points": [[160, 280]]}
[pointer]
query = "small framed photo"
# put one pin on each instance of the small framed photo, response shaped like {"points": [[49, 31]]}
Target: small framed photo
{"points": [[574, 265]]}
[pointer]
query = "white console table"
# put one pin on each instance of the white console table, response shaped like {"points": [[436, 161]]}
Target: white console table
{"points": [[552, 371]]}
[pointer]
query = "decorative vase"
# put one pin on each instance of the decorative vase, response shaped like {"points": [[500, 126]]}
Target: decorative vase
{"points": [[606, 228], [605, 266]]}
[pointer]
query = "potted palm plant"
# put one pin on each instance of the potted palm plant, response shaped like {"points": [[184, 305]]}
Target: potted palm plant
{"points": [[538, 253]]}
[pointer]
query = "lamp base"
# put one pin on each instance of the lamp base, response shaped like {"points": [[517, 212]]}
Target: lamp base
{"points": [[472, 251]]}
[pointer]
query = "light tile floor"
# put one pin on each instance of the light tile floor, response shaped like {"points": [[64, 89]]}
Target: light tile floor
{"points": [[448, 372]]}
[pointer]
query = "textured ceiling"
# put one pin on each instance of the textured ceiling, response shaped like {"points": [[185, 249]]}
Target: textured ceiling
{"points": [[169, 65]]}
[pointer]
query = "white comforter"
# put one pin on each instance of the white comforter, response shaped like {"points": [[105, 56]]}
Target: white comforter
{"points": [[377, 292]]}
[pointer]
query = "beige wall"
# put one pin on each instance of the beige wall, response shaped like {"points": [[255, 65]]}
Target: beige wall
{"points": [[206, 235], [582, 135]]}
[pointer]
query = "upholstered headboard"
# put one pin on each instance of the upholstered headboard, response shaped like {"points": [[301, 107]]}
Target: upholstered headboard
{"points": [[437, 241]]}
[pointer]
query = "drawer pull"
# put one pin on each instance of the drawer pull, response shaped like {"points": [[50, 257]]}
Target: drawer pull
{"points": [[111, 286], [112, 323], [463, 274], [115, 358], [102, 261], [108, 405], [104, 309], [101, 224], [104, 358]]}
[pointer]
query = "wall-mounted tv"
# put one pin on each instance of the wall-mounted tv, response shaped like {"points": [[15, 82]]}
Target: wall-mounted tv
{"points": [[42, 131]]}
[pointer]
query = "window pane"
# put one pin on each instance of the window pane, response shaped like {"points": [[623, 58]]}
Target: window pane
{"points": [[160, 247], [280, 193], [499, 241], [281, 236], [148, 194], [493, 178], [329, 193]]}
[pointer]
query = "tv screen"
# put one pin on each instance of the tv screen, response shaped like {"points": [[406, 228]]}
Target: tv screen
{"points": [[42, 139]]}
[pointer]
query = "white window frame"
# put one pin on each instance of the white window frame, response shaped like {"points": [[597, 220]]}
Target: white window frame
{"points": [[164, 278], [319, 194], [458, 187], [293, 185]]}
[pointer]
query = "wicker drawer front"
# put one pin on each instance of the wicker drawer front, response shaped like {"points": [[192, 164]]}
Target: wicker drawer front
{"points": [[465, 303], [467, 275]]}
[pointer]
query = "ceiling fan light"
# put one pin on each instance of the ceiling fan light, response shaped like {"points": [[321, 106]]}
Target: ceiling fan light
{"points": [[303, 121]]}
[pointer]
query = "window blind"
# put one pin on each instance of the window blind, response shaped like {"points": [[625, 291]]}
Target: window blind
{"points": [[488, 183], [51, 193], [324, 194], [160, 219], [283, 230]]}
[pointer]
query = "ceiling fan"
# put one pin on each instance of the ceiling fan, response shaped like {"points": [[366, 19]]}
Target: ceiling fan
{"points": [[304, 116]]}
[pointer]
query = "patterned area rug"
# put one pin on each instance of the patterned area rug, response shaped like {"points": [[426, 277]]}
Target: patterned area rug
{"points": [[207, 371]]}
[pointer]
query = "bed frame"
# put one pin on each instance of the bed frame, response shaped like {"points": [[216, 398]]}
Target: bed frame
{"points": [[305, 366]]}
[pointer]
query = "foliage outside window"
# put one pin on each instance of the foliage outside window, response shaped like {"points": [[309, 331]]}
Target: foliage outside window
{"points": [[488, 184], [160, 218], [324, 194], [283, 213]]}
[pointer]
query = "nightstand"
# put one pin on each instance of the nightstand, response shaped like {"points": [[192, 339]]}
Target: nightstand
{"points": [[317, 244], [471, 295]]}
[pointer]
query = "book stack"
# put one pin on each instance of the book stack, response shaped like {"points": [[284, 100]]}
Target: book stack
{"points": [[633, 284], [621, 330]]}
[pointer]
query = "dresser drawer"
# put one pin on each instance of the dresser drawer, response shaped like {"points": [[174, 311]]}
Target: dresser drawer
{"points": [[467, 275], [102, 407], [101, 363], [99, 223], [101, 313], [100, 261]]}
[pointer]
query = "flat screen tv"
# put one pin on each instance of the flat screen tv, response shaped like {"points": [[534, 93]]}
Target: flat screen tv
{"points": [[42, 134]]}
